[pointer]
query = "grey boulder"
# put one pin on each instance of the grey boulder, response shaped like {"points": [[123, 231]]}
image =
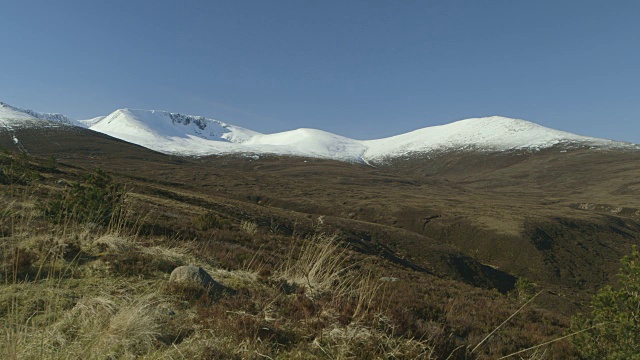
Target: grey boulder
{"points": [[193, 275]]}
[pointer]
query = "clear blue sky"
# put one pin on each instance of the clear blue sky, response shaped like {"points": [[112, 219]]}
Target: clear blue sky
{"points": [[363, 69]]}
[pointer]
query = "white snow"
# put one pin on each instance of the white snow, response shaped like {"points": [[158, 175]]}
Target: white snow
{"points": [[194, 135], [90, 122], [13, 116], [179, 134], [493, 133], [310, 143], [8, 112], [170, 132], [159, 131]]}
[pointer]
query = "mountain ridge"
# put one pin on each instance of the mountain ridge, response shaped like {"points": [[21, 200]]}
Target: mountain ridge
{"points": [[9, 112], [189, 135]]}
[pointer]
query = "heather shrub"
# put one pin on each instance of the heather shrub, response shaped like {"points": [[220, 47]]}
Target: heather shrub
{"points": [[525, 289], [97, 200], [612, 329]]}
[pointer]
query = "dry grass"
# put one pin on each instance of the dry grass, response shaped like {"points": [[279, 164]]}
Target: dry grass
{"points": [[116, 326], [249, 227], [90, 309], [356, 341], [95, 327], [84, 291], [55, 304], [323, 267], [320, 266]]}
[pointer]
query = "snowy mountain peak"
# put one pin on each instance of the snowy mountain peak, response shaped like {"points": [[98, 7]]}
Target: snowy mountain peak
{"points": [[170, 132], [494, 133], [14, 113], [503, 125]]}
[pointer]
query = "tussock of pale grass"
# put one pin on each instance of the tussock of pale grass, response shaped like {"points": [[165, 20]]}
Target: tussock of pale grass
{"points": [[107, 327], [135, 325], [319, 266], [234, 278], [354, 340], [113, 243], [322, 266], [51, 307], [180, 255], [207, 344], [249, 227]]}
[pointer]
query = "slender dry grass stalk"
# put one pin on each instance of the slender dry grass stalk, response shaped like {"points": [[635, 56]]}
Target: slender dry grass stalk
{"points": [[536, 347], [252, 265], [506, 321], [365, 291]]}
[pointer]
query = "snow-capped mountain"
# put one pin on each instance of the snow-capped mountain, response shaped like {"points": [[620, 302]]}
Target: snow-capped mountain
{"points": [[180, 134], [170, 132], [11, 115], [493, 133]]}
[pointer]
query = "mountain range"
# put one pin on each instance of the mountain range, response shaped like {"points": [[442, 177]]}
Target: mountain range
{"points": [[178, 134]]}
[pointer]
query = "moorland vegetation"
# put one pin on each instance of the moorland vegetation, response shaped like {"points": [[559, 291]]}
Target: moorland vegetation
{"points": [[85, 258]]}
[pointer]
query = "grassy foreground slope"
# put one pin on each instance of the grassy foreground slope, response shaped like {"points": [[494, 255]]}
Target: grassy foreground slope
{"points": [[86, 257]]}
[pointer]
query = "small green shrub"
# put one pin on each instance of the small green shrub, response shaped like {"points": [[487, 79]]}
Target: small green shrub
{"points": [[52, 163], [525, 289], [613, 327], [97, 200]]}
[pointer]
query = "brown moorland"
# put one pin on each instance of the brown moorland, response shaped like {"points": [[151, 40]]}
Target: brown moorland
{"points": [[451, 234]]}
